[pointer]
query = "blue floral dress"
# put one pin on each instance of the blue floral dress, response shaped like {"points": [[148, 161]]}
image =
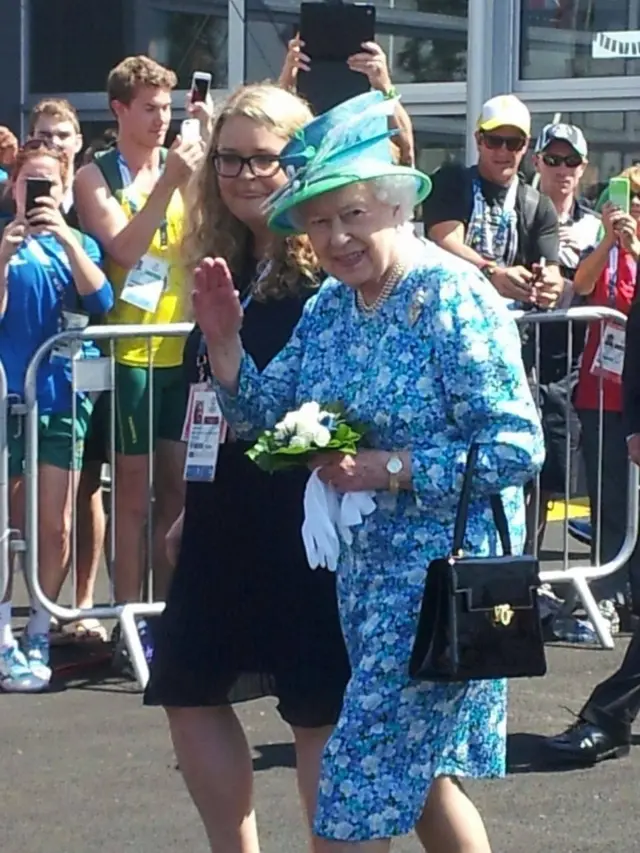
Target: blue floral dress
{"points": [[436, 367]]}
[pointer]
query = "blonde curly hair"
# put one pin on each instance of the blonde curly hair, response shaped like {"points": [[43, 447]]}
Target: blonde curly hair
{"points": [[212, 230]]}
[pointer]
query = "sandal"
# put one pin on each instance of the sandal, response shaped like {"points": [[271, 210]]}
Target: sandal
{"points": [[84, 631]]}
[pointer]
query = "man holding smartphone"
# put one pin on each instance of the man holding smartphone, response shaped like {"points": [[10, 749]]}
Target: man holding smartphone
{"points": [[130, 199], [489, 216]]}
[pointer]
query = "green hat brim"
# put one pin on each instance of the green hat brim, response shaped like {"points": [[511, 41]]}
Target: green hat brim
{"points": [[280, 218]]}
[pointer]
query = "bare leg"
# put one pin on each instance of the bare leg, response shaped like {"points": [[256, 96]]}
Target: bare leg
{"points": [[56, 494], [131, 501], [450, 823], [215, 761], [90, 534], [310, 745], [169, 493]]}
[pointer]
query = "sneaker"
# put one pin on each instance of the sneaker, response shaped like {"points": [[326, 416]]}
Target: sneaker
{"points": [[610, 612], [580, 529], [36, 651], [146, 638], [16, 676], [121, 661]]}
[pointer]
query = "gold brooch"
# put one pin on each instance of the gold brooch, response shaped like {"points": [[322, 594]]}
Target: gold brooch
{"points": [[502, 615], [417, 304]]}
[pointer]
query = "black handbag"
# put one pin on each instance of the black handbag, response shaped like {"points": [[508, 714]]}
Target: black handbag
{"points": [[480, 616]]}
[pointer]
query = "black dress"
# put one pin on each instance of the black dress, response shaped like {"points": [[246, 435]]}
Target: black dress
{"points": [[246, 617]]}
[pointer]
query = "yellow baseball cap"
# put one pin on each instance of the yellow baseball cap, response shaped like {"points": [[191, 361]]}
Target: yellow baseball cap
{"points": [[505, 110]]}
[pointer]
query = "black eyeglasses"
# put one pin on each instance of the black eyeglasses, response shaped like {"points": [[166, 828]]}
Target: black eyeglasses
{"points": [[511, 143], [572, 161], [229, 165]]}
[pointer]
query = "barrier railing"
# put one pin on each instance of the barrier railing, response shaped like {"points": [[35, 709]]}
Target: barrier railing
{"points": [[579, 576], [5, 526], [125, 613]]}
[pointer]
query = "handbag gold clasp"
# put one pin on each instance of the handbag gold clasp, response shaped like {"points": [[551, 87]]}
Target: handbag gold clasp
{"points": [[502, 615]]}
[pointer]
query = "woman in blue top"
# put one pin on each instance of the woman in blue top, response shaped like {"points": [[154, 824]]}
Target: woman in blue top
{"points": [[416, 345], [50, 280]]}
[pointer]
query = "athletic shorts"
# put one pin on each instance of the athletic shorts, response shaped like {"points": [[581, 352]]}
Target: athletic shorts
{"points": [[58, 443], [136, 431]]}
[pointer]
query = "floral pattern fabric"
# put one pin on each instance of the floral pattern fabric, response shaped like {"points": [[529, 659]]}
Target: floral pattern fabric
{"points": [[437, 367]]}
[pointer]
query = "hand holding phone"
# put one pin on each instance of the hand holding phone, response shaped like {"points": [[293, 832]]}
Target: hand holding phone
{"points": [[200, 86], [620, 193], [36, 188], [190, 130]]}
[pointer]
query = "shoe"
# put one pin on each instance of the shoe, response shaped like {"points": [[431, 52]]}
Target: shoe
{"points": [[580, 529], [584, 744], [121, 660], [609, 611], [36, 650], [16, 676]]}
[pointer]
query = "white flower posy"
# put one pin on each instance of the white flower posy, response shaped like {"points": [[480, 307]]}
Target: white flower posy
{"points": [[306, 427]]}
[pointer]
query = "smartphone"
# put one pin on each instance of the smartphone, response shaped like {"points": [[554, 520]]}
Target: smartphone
{"points": [[200, 86], [190, 130], [36, 188], [620, 193], [332, 32]]}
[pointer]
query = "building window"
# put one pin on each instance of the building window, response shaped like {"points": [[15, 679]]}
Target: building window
{"points": [[579, 38], [438, 140], [61, 56], [190, 41], [425, 40], [614, 143]]}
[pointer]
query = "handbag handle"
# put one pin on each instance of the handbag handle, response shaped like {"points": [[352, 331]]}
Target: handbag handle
{"points": [[462, 513]]}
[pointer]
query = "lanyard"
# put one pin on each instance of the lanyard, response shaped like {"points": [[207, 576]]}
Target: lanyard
{"points": [[614, 256], [127, 181]]}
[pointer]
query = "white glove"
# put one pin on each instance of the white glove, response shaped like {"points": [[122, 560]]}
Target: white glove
{"points": [[327, 518], [353, 508], [319, 533]]}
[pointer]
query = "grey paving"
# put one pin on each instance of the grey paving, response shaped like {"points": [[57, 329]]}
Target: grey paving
{"points": [[88, 768]]}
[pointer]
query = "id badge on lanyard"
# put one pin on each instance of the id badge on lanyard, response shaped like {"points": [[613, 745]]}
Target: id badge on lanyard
{"points": [[608, 361], [68, 350], [146, 282]]}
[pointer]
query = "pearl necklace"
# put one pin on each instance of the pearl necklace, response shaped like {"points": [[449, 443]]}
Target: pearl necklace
{"points": [[395, 274]]}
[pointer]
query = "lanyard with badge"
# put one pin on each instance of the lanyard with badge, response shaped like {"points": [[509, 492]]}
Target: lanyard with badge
{"points": [[146, 282], [68, 319], [494, 242], [609, 358], [204, 428]]}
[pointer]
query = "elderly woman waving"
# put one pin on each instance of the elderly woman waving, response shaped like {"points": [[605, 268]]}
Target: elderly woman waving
{"points": [[414, 343]]}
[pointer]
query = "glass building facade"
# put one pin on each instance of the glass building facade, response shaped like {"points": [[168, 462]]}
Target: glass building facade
{"points": [[578, 58]]}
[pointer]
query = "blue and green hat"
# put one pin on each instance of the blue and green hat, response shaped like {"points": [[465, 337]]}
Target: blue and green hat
{"points": [[346, 145]]}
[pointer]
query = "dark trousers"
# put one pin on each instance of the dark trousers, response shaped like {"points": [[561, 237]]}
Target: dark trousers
{"points": [[615, 703], [615, 466]]}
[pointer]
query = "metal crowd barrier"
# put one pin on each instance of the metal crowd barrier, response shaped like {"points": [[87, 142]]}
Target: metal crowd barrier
{"points": [[125, 613], [578, 576]]}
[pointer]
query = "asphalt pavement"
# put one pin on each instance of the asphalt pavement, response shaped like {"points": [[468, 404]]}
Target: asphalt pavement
{"points": [[88, 768]]}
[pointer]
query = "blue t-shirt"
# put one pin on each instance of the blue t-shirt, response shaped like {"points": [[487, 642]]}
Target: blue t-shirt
{"points": [[4, 175], [39, 288]]}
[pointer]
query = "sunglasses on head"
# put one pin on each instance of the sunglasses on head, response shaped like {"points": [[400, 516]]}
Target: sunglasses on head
{"points": [[572, 161], [512, 143]]}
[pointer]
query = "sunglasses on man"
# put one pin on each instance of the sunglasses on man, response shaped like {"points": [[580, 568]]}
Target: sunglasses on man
{"points": [[512, 143], [571, 161]]}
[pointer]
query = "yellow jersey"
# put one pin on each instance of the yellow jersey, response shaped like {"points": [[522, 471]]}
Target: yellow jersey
{"points": [[173, 305]]}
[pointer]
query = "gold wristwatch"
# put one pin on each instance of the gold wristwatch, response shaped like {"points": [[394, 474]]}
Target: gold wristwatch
{"points": [[395, 467]]}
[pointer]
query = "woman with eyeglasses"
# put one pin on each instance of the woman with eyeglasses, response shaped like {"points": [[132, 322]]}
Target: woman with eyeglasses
{"points": [[245, 616], [50, 281], [489, 216]]}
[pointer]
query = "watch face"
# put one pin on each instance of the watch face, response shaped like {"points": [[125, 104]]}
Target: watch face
{"points": [[394, 465]]}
